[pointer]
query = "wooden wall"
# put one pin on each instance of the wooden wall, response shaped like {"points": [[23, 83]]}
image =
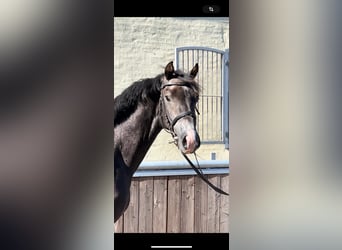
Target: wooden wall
{"points": [[176, 204]]}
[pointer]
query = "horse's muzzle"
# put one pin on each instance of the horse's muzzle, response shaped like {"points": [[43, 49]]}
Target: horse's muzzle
{"points": [[189, 142]]}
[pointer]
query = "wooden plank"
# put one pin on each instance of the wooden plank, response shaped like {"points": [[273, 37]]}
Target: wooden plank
{"points": [[187, 204], [201, 206], [213, 206], [159, 204], [132, 212], [173, 204], [118, 226], [224, 205], [176, 204], [145, 204]]}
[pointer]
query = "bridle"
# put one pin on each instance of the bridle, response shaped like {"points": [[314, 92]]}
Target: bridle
{"points": [[172, 122], [170, 129]]}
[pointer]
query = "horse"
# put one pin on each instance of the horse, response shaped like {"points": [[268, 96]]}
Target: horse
{"points": [[167, 101]]}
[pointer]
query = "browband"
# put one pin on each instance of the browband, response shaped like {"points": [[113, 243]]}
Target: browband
{"points": [[175, 84]]}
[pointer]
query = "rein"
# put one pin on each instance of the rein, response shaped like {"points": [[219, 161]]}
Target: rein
{"points": [[172, 123], [201, 175]]}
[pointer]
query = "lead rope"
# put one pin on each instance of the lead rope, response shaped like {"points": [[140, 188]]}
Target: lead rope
{"points": [[201, 175]]}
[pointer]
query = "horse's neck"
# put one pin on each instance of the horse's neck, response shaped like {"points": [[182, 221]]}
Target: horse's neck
{"points": [[135, 136]]}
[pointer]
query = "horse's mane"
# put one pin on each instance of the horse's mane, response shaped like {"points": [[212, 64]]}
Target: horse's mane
{"points": [[143, 91], [140, 91]]}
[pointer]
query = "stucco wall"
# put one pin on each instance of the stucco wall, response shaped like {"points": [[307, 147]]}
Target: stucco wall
{"points": [[142, 48]]}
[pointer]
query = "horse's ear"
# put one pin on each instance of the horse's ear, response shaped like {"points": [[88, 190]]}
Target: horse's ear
{"points": [[194, 71], [169, 70]]}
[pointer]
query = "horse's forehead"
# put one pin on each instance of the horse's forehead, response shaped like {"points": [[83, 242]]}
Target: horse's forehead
{"points": [[176, 86]]}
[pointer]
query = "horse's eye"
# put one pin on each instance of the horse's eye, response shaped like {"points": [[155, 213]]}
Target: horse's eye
{"points": [[167, 98]]}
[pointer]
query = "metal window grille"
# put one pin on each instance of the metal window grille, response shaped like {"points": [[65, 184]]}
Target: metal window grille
{"points": [[213, 121]]}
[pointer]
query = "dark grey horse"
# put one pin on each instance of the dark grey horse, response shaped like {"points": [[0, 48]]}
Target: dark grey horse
{"points": [[141, 111]]}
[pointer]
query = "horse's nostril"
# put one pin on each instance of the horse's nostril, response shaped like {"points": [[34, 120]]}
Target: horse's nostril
{"points": [[184, 142]]}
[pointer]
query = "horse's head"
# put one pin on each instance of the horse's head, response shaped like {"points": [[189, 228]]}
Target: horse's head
{"points": [[179, 95]]}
